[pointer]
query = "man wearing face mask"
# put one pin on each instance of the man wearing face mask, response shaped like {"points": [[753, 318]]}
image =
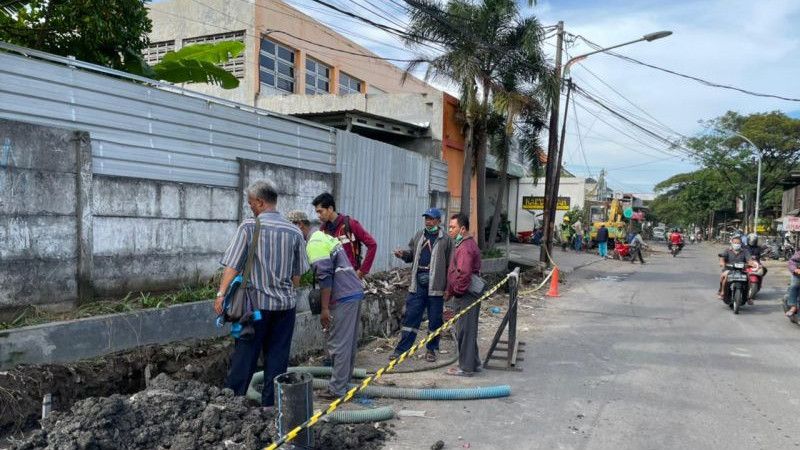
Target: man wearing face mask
{"points": [[735, 254], [429, 253]]}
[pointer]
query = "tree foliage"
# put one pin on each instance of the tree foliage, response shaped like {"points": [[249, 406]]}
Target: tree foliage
{"points": [[729, 168], [198, 63], [111, 33], [482, 41]]}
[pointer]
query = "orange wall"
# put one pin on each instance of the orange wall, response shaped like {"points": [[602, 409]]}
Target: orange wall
{"points": [[453, 151]]}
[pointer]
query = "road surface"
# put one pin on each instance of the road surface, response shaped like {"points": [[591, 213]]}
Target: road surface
{"points": [[636, 357]]}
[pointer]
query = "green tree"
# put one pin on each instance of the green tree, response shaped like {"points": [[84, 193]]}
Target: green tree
{"points": [[478, 39], [702, 197], [198, 63], [112, 33], [734, 160]]}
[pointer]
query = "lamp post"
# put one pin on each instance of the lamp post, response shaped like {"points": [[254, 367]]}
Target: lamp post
{"points": [[555, 150], [758, 180]]}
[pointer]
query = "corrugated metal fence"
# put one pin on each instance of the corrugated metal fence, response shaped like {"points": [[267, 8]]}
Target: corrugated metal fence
{"points": [[386, 188], [143, 131], [156, 132]]}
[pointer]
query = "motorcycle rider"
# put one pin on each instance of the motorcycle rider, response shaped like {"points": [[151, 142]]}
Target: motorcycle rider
{"points": [[794, 287], [675, 239], [735, 254], [753, 248]]}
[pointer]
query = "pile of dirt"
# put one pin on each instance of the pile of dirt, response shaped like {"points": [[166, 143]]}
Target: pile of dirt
{"points": [[22, 388], [180, 415]]}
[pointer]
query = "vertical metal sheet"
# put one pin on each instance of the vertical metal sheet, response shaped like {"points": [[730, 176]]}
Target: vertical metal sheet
{"points": [[384, 187], [146, 132], [439, 175]]}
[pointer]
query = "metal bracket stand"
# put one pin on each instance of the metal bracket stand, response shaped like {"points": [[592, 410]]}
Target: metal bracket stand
{"points": [[511, 346]]}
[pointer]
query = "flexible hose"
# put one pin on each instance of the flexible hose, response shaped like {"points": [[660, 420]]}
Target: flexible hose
{"points": [[430, 394], [362, 415], [319, 371], [401, 393]]}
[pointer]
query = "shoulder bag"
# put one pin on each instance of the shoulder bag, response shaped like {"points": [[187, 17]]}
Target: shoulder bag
{"points": [[238, 301]]}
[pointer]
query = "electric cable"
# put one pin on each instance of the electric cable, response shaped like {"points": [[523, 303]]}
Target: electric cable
{"points": [[683, 75]]}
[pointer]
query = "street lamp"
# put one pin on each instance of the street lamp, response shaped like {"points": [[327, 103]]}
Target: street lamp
{"points": [[758, 180], [555, 150]]}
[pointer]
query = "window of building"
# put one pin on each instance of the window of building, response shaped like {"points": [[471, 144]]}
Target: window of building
{"points": [[156, 50], [234, 65], [318, 77], [348, 84], [276, 67]]}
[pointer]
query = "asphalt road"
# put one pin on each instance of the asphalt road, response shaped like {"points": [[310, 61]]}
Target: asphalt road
{"points": [[637, 357]]}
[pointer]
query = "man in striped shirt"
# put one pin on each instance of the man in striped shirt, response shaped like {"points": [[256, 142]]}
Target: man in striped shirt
{"points": [[278, 263]]}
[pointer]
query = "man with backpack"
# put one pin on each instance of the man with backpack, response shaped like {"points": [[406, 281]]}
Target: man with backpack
{"points": [[350, 233]]}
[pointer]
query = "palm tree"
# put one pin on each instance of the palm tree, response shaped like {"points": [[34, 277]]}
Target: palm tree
{"points": [[478, 39]]}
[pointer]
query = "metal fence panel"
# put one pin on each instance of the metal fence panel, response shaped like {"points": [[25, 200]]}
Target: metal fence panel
{"points": [[146, 132], [386, 188], [439, 175]]}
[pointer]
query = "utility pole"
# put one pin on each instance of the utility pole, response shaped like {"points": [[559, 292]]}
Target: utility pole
{"points": [[552, 155]]}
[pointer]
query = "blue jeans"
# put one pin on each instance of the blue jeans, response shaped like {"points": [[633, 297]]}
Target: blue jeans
{"points": [[794, 290], [416, 304], [272, 338], [578, 244], [602, 247]]}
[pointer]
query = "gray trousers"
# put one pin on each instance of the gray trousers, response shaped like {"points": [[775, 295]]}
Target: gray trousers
{"points": [[467, 333], [343, 343]]}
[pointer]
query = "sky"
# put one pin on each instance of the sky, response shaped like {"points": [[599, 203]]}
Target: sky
{"points": [[751, 45]]}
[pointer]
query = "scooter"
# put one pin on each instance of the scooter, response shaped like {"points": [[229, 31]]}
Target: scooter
{"points": [[754, 277], [736, 285]]}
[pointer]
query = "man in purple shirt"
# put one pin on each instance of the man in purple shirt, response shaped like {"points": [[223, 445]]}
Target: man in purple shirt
{"points": [[466, 263]]}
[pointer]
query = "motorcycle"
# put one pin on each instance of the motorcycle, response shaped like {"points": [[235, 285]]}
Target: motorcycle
{"points": [[736, 286], [674, 249], [754, 277]]}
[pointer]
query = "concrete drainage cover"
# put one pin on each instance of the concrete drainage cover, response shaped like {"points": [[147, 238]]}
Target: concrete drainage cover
{"points": [[615, 278]]}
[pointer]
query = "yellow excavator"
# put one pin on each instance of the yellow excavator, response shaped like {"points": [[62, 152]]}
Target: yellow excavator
{"points": [[616, 227]]}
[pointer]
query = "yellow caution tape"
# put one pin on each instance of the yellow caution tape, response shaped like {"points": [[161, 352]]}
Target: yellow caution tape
{"points": [[383, 370]]}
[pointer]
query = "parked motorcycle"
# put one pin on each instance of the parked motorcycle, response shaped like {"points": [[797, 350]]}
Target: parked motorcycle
{"points": [[736, 286]]}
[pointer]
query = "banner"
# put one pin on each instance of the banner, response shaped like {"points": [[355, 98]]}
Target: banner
{"points": [[533, 202], [791, 223]]}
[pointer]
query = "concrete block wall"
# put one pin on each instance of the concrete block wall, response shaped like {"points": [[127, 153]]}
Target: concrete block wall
{"points": [[39, 228], [150, 235]]}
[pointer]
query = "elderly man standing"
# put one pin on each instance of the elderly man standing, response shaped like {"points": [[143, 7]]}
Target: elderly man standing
{"points": [[429, 252], [341, 292], [279, 261], [466, 264]]}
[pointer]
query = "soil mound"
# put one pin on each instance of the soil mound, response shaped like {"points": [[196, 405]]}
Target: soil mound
{"points": [[180, 415]]}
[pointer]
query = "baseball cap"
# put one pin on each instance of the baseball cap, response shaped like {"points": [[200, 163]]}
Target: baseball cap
{"points": [[433, 212], [297, 216]]}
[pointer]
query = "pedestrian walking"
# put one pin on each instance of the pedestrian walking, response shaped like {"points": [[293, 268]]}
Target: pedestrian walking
{"points": [[278, 262], [637, 243], [566, 234], [466, 264], [578, 227], [602, 241], [429, 252], [794, 286], [348, 231], [341, 293]]}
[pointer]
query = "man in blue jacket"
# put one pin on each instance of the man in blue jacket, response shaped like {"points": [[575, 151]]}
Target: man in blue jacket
{"points": [[341, 292]]}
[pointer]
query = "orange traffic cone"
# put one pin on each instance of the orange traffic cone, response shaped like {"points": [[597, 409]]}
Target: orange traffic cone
{"points": [[553, 292]]}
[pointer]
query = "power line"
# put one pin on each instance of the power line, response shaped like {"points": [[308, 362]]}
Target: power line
{"points": [[580, 140], [689, 77]]}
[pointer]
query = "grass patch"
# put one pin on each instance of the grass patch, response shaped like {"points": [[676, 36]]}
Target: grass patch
{"points": [[33, 315], [492, 253]]}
